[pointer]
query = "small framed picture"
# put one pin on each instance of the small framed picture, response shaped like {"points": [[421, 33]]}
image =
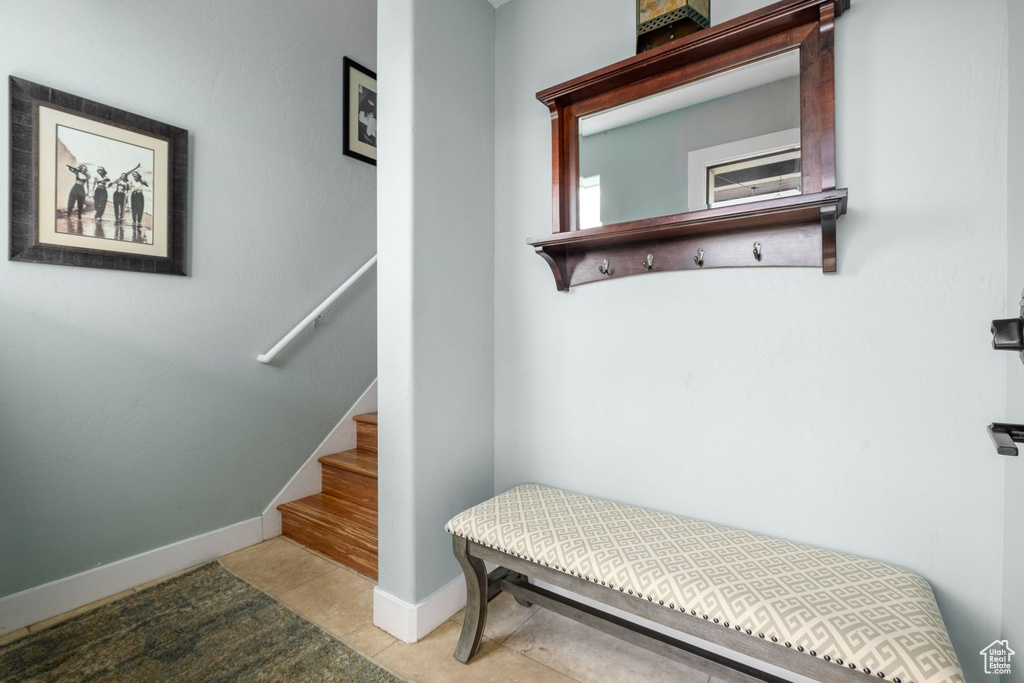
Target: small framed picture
{"points": [[360, 112], [95, 186]]}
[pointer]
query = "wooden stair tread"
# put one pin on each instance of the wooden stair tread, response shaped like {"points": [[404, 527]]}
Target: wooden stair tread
{"points": [[369, 418], [336, 517], [355, 460]]}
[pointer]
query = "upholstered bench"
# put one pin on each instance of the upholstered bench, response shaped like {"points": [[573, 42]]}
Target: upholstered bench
{"points": [[817, 613]]}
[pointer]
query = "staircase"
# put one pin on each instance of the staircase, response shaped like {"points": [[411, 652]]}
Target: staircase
{"points": [[341, 522]]}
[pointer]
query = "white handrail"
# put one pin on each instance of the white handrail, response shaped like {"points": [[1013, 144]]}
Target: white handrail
{"points": [[317, 312]]}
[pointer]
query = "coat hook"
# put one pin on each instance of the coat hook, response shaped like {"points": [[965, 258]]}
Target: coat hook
{"points": [[757, 251], [316, 321], [699, 258], [604, 267], [648, 263]]}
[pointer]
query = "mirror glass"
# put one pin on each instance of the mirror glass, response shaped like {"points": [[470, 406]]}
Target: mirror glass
{"points": [[727, 139]]}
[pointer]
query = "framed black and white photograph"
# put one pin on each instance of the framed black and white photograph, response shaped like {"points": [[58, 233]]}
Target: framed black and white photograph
{"points": [[360, 112], [95, 186]]}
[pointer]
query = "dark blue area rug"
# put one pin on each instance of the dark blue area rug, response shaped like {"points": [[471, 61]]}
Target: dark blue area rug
{"points": [[207, 625]]}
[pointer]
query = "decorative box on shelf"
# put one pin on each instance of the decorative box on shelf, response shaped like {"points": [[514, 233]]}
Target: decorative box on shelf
{"points": [[661, 21]]}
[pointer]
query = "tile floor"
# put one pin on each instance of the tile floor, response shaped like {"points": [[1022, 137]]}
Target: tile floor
{"points": [[520, 644]]}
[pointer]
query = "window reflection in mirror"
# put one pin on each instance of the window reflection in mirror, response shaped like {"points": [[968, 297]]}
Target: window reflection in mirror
{"points": [[754, 178], [727, 139], [590, 201]]}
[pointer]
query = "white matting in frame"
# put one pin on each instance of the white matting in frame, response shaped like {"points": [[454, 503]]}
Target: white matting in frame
{"points": [[116, 150]]}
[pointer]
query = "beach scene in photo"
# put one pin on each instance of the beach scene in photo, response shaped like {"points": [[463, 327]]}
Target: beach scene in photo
{"points": [[91, 199]]}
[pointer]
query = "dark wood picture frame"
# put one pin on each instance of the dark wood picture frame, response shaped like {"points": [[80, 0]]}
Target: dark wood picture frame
{"points": [[25, 100], [352, 146], [788, 231]]}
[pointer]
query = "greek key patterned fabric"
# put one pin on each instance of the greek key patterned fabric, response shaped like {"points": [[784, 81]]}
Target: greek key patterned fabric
{"points": [[844, 609]]}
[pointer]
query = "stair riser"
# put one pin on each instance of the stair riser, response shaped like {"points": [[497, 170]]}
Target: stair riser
{"points": [[350, 486], [359, 527], [362, 560], [366, 437]]}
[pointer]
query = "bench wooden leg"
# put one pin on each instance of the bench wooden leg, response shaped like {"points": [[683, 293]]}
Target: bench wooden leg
{"points": [[476, 600], [522, 601]]}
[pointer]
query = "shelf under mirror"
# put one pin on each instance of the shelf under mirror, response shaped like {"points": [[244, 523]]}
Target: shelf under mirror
{"points": [[797, 231]]}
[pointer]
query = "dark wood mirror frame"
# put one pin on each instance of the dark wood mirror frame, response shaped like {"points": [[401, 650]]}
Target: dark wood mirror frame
{"points": [[789, 231]]}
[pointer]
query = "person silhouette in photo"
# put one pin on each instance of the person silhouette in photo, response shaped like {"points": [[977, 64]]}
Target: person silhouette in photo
{"points": [[79, 189], [369, 132], [121, 186], [138, 199], [99, 192]]}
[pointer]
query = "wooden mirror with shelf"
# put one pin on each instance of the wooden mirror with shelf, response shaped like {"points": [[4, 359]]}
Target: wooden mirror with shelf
{"points": [[717, 150]]}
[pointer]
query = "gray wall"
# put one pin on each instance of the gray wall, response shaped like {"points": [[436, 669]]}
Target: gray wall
{"points": [[133, 413], [644, 166], [852, 414], [436, 313], [1013, 527]]}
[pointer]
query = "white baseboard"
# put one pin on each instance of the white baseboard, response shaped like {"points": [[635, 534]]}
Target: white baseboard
{"points": [[42, 602], [307, 481], [411, 623]]}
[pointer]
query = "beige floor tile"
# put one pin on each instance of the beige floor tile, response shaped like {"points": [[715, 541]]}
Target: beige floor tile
{"points": [[276, 566], [13, 636], [35, 628], [340, 602], [590, 656], [430, 661], [369, 641], [504, 616]]}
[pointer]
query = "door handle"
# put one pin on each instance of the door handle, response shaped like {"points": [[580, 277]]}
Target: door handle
{"points": [[1006, 437], [1008, 334]]}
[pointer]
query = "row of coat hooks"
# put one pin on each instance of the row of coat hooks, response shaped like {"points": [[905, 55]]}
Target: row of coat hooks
{"points": [[648, 263]]}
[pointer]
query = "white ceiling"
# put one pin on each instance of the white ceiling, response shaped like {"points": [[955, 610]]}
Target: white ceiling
{"points": [[498, 3], [731, 82]]}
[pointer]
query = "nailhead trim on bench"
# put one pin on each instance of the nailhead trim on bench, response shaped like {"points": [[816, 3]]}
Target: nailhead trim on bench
{"points": [[774, 639]]}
